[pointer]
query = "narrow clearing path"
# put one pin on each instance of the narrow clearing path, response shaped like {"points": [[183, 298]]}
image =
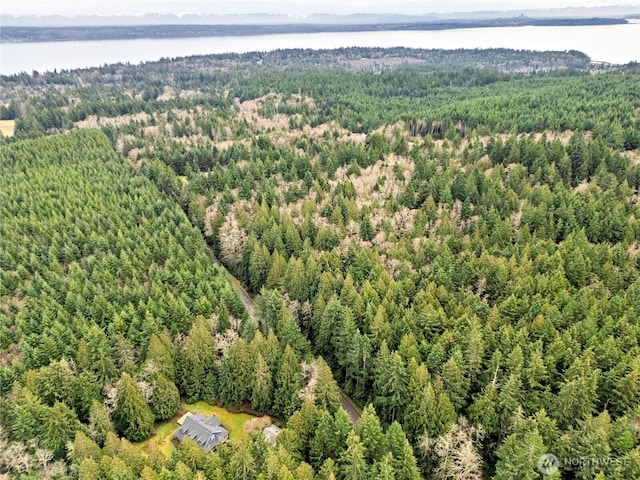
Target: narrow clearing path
{"points": [[349, 407]]}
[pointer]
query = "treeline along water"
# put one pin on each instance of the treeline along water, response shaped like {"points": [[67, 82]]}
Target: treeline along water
{"points": [[604, 43]]}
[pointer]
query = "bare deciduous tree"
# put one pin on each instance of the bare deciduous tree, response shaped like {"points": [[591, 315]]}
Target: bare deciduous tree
{"points": [[232, 240], [402, 222], [43, 457], [224, 340], [16, 458], [310, 372], [110, 392], [458, 458], [146, 389]]}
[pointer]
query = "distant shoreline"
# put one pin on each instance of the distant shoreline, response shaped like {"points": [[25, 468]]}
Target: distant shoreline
{"points": [[94, 33]]}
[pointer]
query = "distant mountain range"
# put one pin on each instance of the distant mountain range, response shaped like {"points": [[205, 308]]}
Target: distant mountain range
{"points": [[313, 19]]}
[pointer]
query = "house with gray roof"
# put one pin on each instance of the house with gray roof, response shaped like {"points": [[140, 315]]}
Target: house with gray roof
{"points": [[271, 434], [208, 433]]}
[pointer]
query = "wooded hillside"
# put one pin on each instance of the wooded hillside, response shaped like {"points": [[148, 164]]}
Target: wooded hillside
{"points": [[455, 248]]}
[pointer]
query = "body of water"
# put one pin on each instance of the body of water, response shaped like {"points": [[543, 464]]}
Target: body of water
{"points": [[605, 43]]}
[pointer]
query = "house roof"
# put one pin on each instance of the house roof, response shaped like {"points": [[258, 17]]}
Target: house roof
{"points": [[206, 432], [271, 433], [183, 418]]}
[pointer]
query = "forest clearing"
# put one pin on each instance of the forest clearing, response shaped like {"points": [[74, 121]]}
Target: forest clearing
{"points": [[163, 433]]}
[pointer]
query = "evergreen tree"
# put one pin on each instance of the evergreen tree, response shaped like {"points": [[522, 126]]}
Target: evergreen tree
{"points": [[391, 386], [442, 413], [132, 417], [330, 323], [509, 399], [295, 281], [242, 464], [579, 155], [159, 353], [99, 422], [370, 433], [235, 377], [627, 391], [59, 428], [404, 463], [89, 470], [591, 440], [352, 462], [327, 471], [165, 399], [366, 229], [323, 444], [190, 453], [259, 267], [262, 386], [359, 363], [578, 394], [99, 354], [28, 414], [288, 385], [288, 332], [455, 380], [417, 416], [148, 474], [518, 456], [277, 272], [383, 469], [55, 383], [303, 424], [182, 472], [483, 410], [198, 373], [326, 392]]}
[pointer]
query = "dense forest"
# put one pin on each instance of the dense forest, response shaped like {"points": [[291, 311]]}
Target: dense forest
{"points": [[449, 238]]}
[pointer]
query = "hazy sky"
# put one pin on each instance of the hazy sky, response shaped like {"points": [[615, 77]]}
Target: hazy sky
{"points": [[297, 7]]}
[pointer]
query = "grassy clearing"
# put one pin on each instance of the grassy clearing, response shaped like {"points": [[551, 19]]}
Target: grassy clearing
{"points": [[163, 434], [234, 422], [7, 127]]}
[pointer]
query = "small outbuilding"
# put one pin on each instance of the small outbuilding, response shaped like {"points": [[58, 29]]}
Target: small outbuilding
{"points": [[208, 433], [271, 434]]}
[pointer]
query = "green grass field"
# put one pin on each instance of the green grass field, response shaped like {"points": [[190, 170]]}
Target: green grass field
{"points": [[7, 127], [163, 434]]}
